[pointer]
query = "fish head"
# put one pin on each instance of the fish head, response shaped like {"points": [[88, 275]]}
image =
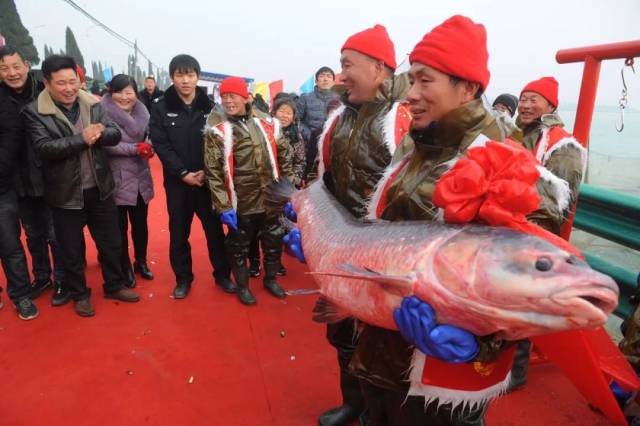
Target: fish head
{"points": [[524, 281]]}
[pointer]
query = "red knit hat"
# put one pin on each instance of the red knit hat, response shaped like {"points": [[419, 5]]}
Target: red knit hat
{"points": [[457, 47], [547, 87], [234, 85], [374, 42]]}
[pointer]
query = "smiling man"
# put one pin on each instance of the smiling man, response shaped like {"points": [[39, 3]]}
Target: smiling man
{"points": [[355, 148], [20, 86], [244, 152], [176, 125], [69, 131], [556, 149]]}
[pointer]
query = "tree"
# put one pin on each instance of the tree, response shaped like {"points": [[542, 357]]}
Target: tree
{"points": [[15, 33], [47, 51], [72, 48]]}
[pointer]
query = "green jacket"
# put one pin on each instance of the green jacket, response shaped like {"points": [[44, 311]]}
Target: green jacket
{"points": [[359, 151], [252, 168], [565, 163], [382, 356]]}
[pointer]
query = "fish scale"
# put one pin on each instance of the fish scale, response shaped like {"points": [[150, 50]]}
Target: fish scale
{"points": [[480, 278]]}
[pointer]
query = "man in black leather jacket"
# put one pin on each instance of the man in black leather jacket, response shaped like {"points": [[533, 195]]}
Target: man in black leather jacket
{"points": [[68, 129]]}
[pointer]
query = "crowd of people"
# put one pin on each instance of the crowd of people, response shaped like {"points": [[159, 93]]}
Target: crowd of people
{"points": [[380, 141]]}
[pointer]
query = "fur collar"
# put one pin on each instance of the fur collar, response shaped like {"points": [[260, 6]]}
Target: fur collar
{"points": [[134, 124], [175, 104]]}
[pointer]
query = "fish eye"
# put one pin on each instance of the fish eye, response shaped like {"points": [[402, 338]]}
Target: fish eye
{"points": [[544, 264]]}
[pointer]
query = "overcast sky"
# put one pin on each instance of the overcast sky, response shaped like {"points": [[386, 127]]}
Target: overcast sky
{"points": [[290, 39]]}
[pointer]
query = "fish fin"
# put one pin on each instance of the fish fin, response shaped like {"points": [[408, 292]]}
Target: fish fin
{"points": [[325, 311], [302, 292], [277, 193], [356, 273]]}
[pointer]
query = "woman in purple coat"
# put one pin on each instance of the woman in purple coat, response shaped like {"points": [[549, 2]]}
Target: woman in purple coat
{"points": [[129, 161]]}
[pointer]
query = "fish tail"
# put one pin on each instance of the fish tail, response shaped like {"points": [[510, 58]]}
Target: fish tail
{"points": [[277, 194]]}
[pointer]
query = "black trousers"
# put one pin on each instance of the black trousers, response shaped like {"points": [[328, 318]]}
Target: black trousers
{"points": [[101, 216], [14, 261], [183, 202], [391, 408], [269, 232], [137, 215], [37, 223], [342, 337]]}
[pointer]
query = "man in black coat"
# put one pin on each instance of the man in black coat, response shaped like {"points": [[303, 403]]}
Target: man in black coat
{"points": [[20, 87], [12, 255], [69, 130], [176, 125], [150, 92]]}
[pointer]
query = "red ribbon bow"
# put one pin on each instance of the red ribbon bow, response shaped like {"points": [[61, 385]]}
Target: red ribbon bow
{"points": [[496, 185]]}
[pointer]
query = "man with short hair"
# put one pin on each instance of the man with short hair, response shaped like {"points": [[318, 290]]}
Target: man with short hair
{"points": [[69, 130], [176, 124], [150, 92], [244, 152], [12, 254], [311, 110], [20, 87]]}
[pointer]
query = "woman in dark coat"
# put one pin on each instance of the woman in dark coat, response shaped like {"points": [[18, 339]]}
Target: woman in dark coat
{"points": [[129, 162]]}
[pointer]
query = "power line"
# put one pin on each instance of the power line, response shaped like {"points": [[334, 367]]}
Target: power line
{"points": [[110, 31]]}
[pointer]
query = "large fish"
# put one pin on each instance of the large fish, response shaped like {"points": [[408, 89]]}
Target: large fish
{"points": [[484, 279]]}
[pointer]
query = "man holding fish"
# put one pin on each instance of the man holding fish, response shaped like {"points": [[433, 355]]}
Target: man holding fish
{"points": [[489, 267]]}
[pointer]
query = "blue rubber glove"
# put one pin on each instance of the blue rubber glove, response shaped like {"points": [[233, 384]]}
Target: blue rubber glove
{"points": [[293, 240], [620, 394], [290, 213], [416, 321], [230, 218]]}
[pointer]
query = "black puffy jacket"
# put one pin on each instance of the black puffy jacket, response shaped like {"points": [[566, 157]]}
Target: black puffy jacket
{"points": [[60, 149]]}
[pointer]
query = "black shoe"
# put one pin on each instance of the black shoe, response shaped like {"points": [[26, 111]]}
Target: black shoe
{"points": [[130, 277], [39, 287], [281, 272], [140, 266], [274, 288], [254, 268], [181, 290], [245, 296], [339, 416], [26, 309], [226, 285], [60, 295]]}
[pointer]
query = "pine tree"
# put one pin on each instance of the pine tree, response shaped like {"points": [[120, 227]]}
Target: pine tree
{"points": [[72, 48], [150, 72], [15, 33]]}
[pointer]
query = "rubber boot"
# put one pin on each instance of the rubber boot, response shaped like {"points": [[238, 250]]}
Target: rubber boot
{"points": [[270, 283], [241, 275]]}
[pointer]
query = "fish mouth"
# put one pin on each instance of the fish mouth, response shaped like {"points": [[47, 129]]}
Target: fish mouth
{"points": [[591, 301]]}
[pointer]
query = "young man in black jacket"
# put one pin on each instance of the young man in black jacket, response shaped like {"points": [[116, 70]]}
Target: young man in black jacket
{"points": [[20, 87], [69, 129], [12, 254], [177, 121]]}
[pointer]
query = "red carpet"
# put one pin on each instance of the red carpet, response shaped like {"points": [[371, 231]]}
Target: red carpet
{"points": [[204, 360]]}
